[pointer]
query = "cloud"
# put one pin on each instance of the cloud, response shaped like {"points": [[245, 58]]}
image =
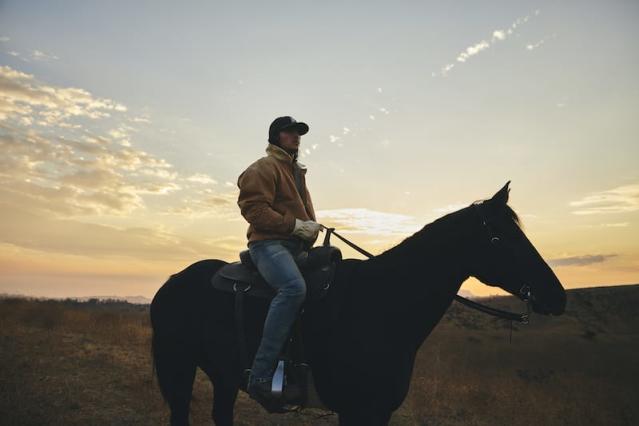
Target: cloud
{"points": [[365, 221], [608, 225], [34, 55], [533, 46], [474, 49], [450, 208], [208, 203], [584, 260], [141, 119], [21, 95], [39, 55], [78, 176], [621, 199], [201, 178], [22, 227], [337, 140], [67, 153], [498, 35], [446, 68]]}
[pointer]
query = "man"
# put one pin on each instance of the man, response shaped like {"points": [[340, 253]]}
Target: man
{"points": [[275, 202]]}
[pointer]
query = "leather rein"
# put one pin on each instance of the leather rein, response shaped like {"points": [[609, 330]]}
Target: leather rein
{"points": [[524, 292]]}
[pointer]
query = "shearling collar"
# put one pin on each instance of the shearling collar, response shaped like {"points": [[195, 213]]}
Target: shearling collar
{"points": [[281, 154]]}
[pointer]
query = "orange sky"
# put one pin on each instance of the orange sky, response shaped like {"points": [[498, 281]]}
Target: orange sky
{"points": [[121, 149]]}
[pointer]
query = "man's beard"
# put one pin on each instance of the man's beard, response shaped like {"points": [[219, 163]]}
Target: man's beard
{"points": [[292, 151]]}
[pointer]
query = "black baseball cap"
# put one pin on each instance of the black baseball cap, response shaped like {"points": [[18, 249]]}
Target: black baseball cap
{"points": [[283, 123]]}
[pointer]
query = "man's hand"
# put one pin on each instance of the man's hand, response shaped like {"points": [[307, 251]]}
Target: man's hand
{"points": [[306, 229], [321, 228]]}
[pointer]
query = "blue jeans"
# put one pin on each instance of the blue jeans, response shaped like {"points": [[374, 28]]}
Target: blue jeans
{"points": [[275, 261]]}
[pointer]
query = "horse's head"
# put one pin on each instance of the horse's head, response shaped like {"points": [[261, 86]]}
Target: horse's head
{"points": [[503, 256]]}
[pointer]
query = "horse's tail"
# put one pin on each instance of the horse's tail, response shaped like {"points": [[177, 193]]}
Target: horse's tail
{"points": [[169, 365], [177, 318], [173, 342]]}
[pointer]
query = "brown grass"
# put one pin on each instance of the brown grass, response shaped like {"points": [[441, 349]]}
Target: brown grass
{"points": [[72, 363]]}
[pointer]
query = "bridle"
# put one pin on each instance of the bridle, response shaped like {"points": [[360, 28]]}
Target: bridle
{"points": [[524, 292]]}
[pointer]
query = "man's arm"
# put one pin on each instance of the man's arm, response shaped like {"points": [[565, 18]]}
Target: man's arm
{"points": [[257, 192]]}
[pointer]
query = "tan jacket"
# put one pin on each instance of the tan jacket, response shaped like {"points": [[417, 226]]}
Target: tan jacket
{"points": [[269, 200]]}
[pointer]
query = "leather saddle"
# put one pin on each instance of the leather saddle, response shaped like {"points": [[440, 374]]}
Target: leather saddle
{"points": [[317, 266]]}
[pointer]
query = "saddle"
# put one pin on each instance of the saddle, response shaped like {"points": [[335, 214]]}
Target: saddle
{"points": [[316, 265], [243, 279]]}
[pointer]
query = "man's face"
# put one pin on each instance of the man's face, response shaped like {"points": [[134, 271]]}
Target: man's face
{"points": [[290, 139]]}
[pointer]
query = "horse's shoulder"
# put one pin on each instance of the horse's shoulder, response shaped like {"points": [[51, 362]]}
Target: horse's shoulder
{"points": [[349, 264]]}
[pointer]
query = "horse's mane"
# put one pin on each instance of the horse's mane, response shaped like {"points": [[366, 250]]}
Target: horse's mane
{"points": [[513, 215], [435, 231]]}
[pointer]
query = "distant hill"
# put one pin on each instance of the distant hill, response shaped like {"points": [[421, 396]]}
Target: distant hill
{"points": [[140, 300]]}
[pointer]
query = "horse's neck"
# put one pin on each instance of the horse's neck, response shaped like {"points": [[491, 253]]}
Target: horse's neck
{"points": [[433, 256], [422, 274]]}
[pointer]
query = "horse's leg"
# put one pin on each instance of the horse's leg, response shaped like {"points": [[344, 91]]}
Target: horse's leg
{"points": [[225, 389], [363, 416], [385, 417], [182, 390], [175, 367]]}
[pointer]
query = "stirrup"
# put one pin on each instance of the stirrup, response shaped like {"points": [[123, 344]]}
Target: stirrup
{"points": [[246, 375], [277, 385]]}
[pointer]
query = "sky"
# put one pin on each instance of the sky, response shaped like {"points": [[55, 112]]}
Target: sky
{"points": [[124, 126]]}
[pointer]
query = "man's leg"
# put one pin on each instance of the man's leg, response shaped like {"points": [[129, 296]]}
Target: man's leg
{"points": [[276, 264]]}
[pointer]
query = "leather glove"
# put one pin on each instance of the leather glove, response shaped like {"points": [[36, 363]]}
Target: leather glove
{"points": [[306, 229]]}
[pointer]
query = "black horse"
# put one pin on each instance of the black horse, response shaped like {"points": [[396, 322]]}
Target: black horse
{"points": [[362, 338]]}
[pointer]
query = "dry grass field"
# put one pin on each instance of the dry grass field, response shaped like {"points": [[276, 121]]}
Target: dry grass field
{"points": [[88, 363]]}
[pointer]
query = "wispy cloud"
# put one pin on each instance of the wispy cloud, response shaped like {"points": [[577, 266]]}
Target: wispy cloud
{"points": [[367, 119], [201, 178], [608, 225], [616, 225], [536, 45], [450, 208], [617, 200], [533, 46], [33, 55], [584, 260], [37, 103], [39, 55], [208, 203], [476, 48], [366, 221], [30, 230]]}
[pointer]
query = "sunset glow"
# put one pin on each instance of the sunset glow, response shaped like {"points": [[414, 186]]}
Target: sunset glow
{"points": [[123, 132]]}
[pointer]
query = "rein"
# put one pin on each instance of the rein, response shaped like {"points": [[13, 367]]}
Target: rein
{"points": [[512, 316]]}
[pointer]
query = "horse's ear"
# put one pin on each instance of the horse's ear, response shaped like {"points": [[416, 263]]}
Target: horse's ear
{"points": [[501, 196]]}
